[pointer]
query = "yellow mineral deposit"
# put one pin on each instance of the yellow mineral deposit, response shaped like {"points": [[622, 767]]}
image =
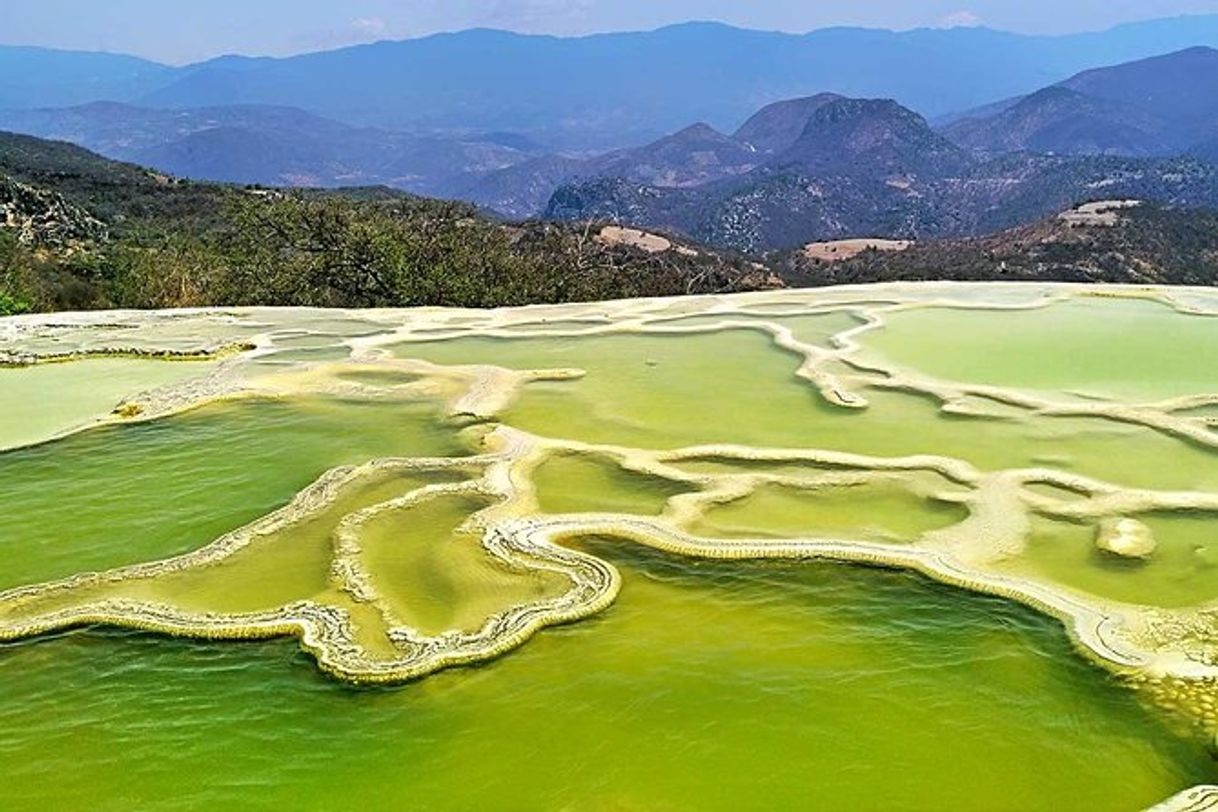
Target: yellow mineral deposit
{"points": [[1125, 537]]}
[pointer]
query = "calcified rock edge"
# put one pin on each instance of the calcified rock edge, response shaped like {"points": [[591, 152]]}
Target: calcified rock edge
{"points": [[1170, 653]]}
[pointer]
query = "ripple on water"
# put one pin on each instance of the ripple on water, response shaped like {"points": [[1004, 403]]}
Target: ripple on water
{"points": [[864, 688]]}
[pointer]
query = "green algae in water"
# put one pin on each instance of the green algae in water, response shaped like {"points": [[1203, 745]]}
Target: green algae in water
{"points": [[880, 512], [1135, 348], [818, 329], [290, 564], [1182, 571], [706, 686], [569, 483], [377, 377], [84, 391], [436, 579], [124, 494], [736, 386]]}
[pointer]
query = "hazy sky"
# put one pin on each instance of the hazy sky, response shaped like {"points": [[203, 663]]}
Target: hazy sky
{"points": [[187, 30]]}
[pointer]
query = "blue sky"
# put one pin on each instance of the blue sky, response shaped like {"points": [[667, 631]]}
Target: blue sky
{"points": [[187, 30]]}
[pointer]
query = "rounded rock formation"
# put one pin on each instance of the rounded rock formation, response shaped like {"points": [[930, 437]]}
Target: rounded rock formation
{"points": [[1125, 537]]}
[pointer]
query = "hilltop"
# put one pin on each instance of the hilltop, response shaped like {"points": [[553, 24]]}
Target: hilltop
{"points": [[598, 92]]}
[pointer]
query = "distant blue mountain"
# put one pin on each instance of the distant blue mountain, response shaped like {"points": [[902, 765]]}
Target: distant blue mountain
{"points": [[41, 77], [605, 90], [1161, 106], [611, 89], [280, 146]]}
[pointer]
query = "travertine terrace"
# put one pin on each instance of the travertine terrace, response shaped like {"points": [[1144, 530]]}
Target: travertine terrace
{"points": [[956, 516]]}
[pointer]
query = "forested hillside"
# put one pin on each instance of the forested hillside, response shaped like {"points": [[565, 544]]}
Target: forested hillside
{"points": [[80, 231]]}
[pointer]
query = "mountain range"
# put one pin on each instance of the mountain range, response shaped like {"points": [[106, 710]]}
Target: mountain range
{"points": [[821, 166], [603, 91], [277, 146], [80, 231], [869, 167], [866, 167]]}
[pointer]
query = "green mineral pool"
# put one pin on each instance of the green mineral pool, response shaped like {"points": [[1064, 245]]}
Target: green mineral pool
{"points": [[868, 548]]}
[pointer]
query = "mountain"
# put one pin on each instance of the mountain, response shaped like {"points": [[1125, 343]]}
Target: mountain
{"points": [[42, 77], [80, 231], [284, 146], [1160, 106], [858, 166], [875, 137], [776, 127], [524, 189], [125, 198], [603, 91], [481, 105], [696, 155], [1110, 242], [868, 168], [1058, 119], [124, 131], [648, 83], [270, 145], [1180, 87], [241, 155]]}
